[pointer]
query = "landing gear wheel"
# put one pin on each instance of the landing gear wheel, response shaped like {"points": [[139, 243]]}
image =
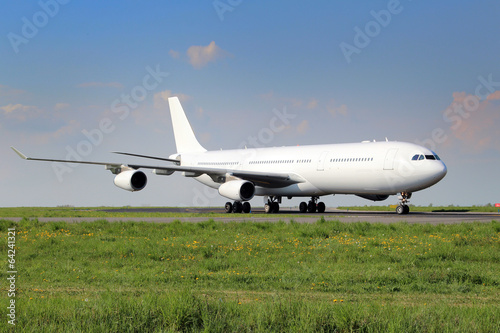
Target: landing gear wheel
{"points": [[272, 205], [246, 207], [321, 207], [311, 207], [228, 207], [402, 209], [237, 207], [267, 208], [303, 207]]}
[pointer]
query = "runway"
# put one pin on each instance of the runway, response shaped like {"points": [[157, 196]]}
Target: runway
{"points": [[285, 215]]}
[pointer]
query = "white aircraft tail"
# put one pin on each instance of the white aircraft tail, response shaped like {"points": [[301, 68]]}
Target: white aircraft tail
{"points": [[185, 140]]}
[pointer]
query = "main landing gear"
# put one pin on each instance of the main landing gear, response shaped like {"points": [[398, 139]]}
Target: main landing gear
{"points": [[312, 206], [238, 207], [403, 208], [272, 205]]}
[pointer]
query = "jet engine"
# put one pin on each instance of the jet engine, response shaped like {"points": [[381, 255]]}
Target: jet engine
{"points": [[373, 197], [131, 180], [239, 190]]}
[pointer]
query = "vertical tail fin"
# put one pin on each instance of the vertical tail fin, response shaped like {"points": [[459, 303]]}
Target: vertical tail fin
{"points": [[185, 140]]}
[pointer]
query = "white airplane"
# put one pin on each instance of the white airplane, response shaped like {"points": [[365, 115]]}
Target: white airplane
{"points": [[371, 170]]}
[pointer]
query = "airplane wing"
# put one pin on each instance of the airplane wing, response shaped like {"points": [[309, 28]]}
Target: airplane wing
{"points": [[264, 179]]}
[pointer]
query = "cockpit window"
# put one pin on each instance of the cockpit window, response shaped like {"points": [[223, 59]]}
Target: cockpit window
{"points": [[417, 157], [436, 156], [420, 157]]}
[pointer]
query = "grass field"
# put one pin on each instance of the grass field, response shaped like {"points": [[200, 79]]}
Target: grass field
{"points": [[278, 277]]}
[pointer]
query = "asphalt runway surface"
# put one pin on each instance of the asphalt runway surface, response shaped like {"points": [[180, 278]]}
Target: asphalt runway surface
{"points": [[286, 214]]}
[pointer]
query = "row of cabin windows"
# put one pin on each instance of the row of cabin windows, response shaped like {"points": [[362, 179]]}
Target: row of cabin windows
{"points": [[279, 161], [359, 159], [217, 163], [272, 162], [419, 157], [256, 162]]}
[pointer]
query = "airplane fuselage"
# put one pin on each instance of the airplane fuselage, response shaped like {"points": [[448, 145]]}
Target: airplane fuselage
{"points": [[367, 168]]}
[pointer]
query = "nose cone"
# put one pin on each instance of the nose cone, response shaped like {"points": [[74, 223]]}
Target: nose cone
{"points": [[439, 170]]}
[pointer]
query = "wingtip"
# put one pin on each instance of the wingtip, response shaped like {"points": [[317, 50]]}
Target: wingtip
{"points": [[19, 153]]}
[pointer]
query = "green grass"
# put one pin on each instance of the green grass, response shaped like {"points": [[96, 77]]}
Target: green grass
{"points": [[108, 212], [36, 212], [247, 276]]}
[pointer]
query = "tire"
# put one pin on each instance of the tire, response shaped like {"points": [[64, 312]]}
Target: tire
{"points": [[267, 208], [237, 207], [311, 207], [275, 207], [321, 207], [406, 209], [303, 207], [228, 207], [247, 207], [400, 210]]}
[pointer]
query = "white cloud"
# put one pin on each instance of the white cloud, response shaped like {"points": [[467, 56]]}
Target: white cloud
{"points": [[303, 127], [313, 103], [200, 56], [174, 54], [70, 128], [336, 110], [494, 96], [6, 91], [19, 111], [161, 98], [60, 106], [475, 126]]}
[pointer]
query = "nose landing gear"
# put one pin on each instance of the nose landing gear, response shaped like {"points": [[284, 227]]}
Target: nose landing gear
{"points": [[403, 208]]}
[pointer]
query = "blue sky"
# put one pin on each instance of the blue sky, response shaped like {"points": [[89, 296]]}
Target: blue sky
{"points": [[417, 71]]}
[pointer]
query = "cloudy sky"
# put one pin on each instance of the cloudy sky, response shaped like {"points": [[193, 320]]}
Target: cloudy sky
{"points": [[80, 79]]}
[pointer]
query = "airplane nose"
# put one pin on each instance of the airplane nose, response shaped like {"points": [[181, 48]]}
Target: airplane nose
{"points": [[440, 170]]}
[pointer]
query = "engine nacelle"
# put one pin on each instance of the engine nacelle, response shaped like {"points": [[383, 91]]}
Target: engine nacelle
{"points": [[373, 197], [131, 180], [239, 190]]}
